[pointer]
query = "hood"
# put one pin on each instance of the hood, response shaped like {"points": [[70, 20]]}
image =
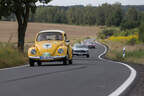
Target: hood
{"points": [[48, 46], [85, 49]]}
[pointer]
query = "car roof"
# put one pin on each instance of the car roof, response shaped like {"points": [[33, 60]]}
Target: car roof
{"points": [[52, 31]]}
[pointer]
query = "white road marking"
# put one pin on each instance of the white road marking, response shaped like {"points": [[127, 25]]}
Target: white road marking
{"points": [[14, 67], [129, 80]]}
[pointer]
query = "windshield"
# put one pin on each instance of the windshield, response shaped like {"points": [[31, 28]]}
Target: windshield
{"points": [[49, 36], [81, 46]]}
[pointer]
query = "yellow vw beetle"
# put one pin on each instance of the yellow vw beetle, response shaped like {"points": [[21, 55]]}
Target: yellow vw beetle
{"points": [[50, 45]]}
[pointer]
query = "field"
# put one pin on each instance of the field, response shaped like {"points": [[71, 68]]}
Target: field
{"points": [[8, 31]]}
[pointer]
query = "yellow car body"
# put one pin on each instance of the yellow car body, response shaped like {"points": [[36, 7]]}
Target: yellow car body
{"points": [[50, 45]]}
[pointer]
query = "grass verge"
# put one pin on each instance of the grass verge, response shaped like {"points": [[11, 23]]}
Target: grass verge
{"points": [[117, 39], [134, 53], [10, 56]]}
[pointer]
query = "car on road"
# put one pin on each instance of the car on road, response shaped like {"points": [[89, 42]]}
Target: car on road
{"points": [[81, 50], [91, 45], [50, 45]]}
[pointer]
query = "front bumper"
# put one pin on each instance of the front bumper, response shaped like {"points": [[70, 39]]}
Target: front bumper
{"points": [[91, 46], [52, 58], [80, 53]]}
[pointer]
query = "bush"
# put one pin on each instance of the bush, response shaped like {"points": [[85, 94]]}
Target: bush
{"points": [[106, 33], [128, 25], [119, 56], [141, 32], [10, 56], [132, 41]]}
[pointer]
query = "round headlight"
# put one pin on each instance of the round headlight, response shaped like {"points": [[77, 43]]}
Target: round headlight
{"points": [[33, 51], [60, 51]]}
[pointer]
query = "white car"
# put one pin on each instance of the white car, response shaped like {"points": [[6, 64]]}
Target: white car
{"points": [[81, 50]]}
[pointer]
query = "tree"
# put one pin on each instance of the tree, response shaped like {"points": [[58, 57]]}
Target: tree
{"points": [[141, 32], [100, 16], [103, 12], [71, 15], [21, 9], [89, 15], [115, 15], [131, 20]]}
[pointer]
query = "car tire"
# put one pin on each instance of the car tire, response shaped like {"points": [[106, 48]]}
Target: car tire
{"points": [[70, 62], [87, 56], [31, 63], [39, 63], [65, 61]]}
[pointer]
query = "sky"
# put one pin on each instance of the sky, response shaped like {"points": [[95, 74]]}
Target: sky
{"points": [[93, 2]]}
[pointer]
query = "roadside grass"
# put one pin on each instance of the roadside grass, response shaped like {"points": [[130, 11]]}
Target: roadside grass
{"points": [[134, 53], [116, 40], [10, 56]]}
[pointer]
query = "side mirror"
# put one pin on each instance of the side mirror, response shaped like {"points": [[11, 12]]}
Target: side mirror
{"points": [[67, 41]]}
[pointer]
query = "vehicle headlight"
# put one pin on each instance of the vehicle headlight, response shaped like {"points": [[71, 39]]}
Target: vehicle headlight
{"points": [[33, 51], [60, 50]]}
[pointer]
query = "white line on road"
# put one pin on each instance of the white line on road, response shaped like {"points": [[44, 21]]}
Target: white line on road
{"points": [[14, 67], [129, 80]]}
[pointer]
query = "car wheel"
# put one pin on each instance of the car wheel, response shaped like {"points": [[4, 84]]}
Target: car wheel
{"points": [[87, 56], [31, 62], [70, 62], [39, 63], [65, 61]]}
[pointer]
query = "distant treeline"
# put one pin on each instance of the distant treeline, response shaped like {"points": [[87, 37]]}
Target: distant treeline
{"points": [[111, 15]]}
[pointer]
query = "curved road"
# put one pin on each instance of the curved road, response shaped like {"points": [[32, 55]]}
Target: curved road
{"points": [[86, 77]]}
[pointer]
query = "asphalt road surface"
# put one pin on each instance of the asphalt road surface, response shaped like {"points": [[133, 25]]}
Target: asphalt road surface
{"points": [[86, 77]]}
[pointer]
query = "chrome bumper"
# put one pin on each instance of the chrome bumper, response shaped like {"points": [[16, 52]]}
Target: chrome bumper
{"points": [[49, 58]]}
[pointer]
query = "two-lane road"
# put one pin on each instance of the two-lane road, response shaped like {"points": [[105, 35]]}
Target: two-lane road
{"points": [[86, 77]]}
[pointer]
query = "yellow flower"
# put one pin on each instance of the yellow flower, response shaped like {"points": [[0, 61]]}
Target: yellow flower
{"points": [[118, 38]]}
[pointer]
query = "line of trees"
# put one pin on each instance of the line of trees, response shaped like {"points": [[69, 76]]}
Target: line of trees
{"points": [[106, 14], [103, 15]]}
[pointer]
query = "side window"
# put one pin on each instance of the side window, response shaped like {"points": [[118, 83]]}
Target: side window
{"points": [[65, 37]]}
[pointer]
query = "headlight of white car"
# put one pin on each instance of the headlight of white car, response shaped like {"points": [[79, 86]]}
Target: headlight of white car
{"points": [[60, 50], [33, 51]]}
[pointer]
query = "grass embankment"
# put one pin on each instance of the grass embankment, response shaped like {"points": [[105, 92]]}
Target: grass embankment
{"points": [[129, 40], [10, 56]]}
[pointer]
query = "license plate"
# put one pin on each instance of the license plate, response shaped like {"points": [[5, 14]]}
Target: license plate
{"points": [[79, 53], [45, 58]]}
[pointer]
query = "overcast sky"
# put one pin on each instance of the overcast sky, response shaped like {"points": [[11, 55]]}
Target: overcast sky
{"points": [[94, 2]]}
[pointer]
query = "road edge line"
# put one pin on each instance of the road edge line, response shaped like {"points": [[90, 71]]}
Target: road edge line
{"points": [[14, 67], [129, 80]]}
